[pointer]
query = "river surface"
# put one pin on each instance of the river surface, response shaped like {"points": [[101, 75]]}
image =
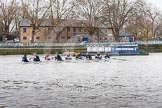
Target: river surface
{"points": [[121, 82]]}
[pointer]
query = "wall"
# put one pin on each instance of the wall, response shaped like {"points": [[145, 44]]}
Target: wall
{"points": [[21, 51], [66, 36]]}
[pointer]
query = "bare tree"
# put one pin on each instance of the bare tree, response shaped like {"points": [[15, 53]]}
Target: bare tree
{"points": [[140, 28], [36, 11], [9, 10], [60, 11], [135, 26], [118, 12], [89, 11], [155, 18], [146, 23]]}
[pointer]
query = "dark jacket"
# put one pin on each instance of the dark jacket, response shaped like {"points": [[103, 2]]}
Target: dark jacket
{"points": [[107, 56], [89, 57], [58, 58], [24, 59], [36, 58]]}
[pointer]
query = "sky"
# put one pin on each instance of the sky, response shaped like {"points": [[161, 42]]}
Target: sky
{"points": [[156, 3]]}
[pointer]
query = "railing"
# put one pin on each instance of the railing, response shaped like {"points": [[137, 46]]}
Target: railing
{"points": [[76, 44], [40, 44], [148, 42]]}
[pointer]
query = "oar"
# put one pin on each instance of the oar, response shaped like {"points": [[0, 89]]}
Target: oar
{"points": [[120, 59]]}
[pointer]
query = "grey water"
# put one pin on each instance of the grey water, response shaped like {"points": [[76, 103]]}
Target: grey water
{"points": [[121, 82]]}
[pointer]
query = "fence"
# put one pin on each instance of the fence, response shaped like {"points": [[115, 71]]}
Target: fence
{"points": [[76, 44], [40, 44]]}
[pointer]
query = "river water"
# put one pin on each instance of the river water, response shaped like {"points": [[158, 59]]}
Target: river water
{"points": [[121, 82]]}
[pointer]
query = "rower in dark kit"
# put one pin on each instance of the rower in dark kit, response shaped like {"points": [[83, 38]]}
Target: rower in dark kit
{"points": [[79, 56], [88, 56], [58, 57], [24, 58], [36, 58], [107, 56]]}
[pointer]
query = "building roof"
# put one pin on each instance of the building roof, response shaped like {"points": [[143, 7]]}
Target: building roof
{"points": [[124, 33], [81, 23], [45, 23], [69, 22], [25, 22]]}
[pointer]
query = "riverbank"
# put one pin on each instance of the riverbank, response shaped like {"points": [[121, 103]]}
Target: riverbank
{"points": [[156, 48], [41, 50]]}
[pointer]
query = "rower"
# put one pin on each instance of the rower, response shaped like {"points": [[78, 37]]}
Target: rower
{"points": [[88, 56], [36, 58], [58, 57], [47, 56], [79, 56], [98, 56], [68, 57], [24, 58], [107, 56]]}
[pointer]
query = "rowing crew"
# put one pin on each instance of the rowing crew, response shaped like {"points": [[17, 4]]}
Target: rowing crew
{"points": [[35, 58], [68, 56], [89, 57], [56, 57]]}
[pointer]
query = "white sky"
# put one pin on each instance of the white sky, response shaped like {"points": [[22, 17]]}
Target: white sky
{"points": [[156, 3]]}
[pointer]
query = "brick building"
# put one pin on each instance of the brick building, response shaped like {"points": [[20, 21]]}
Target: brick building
{"points": [[69, 31]]}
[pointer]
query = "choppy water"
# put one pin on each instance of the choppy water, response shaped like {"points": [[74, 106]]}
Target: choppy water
{"points": [[125, 82]]}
